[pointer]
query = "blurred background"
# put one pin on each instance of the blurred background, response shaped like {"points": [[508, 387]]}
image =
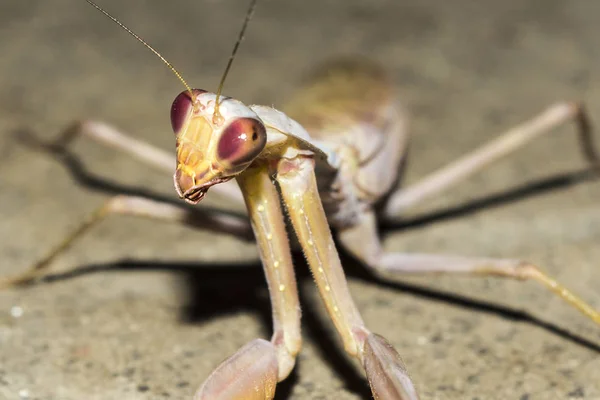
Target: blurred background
{"points": [[155, 325]]}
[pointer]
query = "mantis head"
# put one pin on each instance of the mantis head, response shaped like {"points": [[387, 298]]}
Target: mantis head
{"points": [[215, 141], [216, 138]]}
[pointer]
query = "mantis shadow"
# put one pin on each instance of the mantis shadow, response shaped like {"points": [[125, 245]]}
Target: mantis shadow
{"points": [[247, 290], [521, 192]]}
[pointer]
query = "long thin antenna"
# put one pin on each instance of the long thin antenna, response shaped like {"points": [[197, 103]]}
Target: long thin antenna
{"points": [[116, 21], [240, 38]]}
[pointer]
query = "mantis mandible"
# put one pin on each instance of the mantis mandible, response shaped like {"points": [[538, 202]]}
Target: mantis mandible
{"points": [[331, 169]]}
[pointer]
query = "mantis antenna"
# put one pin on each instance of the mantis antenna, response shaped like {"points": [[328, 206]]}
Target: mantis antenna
{"points": [[132, 33], [216, 115], [249, 13]]}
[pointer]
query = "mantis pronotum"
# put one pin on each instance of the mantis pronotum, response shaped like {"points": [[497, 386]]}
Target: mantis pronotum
{"points": [[354, 175]]}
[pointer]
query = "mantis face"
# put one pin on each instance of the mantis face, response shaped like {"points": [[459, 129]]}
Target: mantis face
{"points": [[213, 146]]}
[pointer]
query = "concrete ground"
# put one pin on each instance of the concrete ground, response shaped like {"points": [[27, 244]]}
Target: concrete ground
{"points": [[154, 326]]}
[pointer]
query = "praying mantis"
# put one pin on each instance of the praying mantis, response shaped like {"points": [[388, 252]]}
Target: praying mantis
{"points": [[290, 152]]}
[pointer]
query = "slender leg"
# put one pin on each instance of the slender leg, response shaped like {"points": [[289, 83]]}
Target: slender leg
{"points": [[505, 144], [110, 136], [143, 207], [254, 370], [151, 155], [386, 372], [363, 242]]}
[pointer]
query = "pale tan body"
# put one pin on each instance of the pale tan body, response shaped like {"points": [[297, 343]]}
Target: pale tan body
{"points": [[335, 177], [351, 106]]}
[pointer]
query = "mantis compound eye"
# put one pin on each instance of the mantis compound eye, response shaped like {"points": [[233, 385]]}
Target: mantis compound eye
{"points": [[182, 108], [242, 141]]}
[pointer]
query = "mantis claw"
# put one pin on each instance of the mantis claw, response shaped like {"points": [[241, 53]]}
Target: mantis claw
{"points": [[250, 374], [385, 370]]}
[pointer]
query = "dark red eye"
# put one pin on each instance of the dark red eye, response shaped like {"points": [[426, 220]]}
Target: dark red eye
{"points": [[182, 108], [242, 141]]}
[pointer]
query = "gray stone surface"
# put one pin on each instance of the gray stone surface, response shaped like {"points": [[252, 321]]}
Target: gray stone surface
{"points": [[467, 70]]}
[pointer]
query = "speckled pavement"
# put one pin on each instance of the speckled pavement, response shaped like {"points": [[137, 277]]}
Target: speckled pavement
{"points": [[155, 325]]}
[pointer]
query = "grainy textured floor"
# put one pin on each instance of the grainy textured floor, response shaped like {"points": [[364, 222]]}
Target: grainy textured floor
{"points": [[143, 330]]}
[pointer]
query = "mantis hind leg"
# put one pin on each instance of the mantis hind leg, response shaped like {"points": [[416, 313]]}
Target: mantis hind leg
{"points": [[363, 242], [508, 142]]}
